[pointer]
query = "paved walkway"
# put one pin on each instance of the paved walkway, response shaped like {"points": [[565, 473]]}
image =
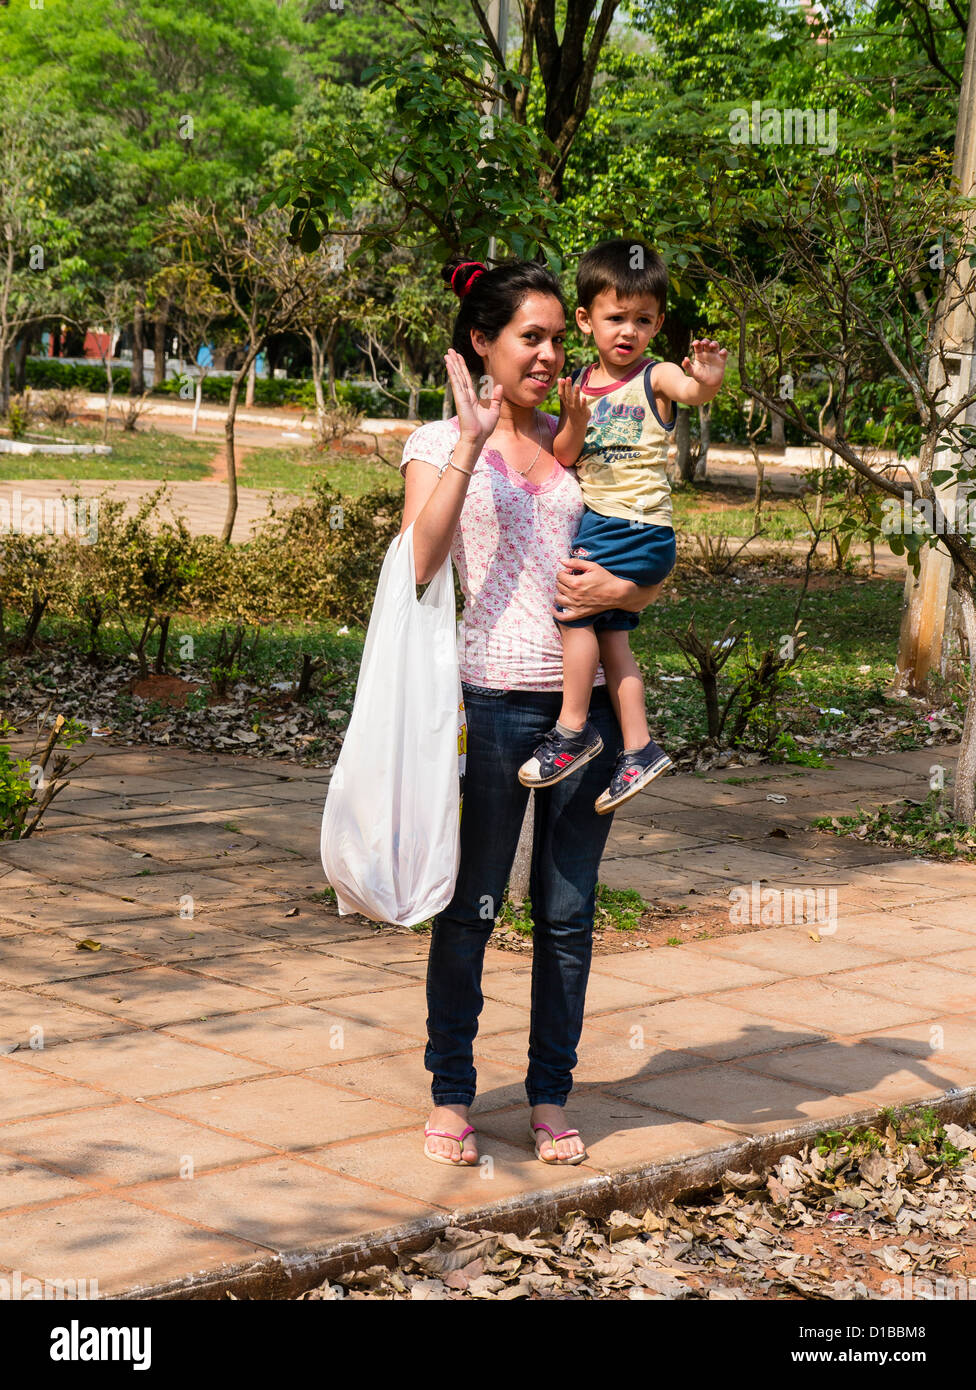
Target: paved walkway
{"points": [[207, 1089]]}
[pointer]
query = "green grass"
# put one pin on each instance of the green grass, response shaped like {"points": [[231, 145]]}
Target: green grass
{"points": [[920, 1127], [781, 517], [144, 454], [295, 470], [852, 625], [922, 828]]}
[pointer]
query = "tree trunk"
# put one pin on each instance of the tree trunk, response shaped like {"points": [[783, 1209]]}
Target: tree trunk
{"points": [[760, 474], [229, 424], [109, 390], [251, 377], [56, 340], [518, 879], [447, 409], [964, 801], [159, 349], [682, 441], [197, 400], [20, 364], [778, 436], [413, 402], [315, 347], [705, 426], [330, 343], [161, 649], [137, 381], [5, 378]]}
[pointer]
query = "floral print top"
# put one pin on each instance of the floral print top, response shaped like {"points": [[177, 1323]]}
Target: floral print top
{"points": [[510, 539]]}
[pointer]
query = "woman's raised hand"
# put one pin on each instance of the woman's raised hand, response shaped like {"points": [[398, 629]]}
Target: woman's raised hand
{"points": [[477, 418]]}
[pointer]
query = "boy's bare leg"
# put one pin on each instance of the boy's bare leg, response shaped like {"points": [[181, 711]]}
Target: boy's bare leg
{"points": [[581, 655], [626, 687]]}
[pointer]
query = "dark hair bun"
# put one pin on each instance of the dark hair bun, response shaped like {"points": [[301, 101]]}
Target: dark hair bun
{"points": [[461, 274]]}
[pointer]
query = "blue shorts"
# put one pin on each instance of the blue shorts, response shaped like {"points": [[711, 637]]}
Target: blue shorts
{"points": [[634, 550]]}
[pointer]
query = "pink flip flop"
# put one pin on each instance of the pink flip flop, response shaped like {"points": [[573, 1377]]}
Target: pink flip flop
{"points": [[566, 1134], [459, 1138]]}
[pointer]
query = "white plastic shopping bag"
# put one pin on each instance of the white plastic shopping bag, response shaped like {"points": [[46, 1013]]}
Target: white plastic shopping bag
{"points": [[390, 828]]}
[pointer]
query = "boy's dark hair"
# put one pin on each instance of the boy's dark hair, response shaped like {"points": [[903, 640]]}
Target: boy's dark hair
{"points": [[627, 266], [490, 299]]}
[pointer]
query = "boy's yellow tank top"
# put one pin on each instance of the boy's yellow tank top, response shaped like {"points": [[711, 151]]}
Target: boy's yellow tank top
{"points": [[622, 469]]}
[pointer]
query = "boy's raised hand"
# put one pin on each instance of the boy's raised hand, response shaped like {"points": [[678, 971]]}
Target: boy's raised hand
{"points": [[575, 407], [708, 366]]}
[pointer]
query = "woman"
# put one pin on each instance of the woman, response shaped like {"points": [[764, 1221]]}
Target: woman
{"points": [[497, 500]]}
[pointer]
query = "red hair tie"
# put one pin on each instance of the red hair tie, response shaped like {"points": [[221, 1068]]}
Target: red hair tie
{"points": [[470, 280]]}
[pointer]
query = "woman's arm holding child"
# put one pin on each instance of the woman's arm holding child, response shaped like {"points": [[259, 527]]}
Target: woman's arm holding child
{"points": [[583, 588], [574, 416]]}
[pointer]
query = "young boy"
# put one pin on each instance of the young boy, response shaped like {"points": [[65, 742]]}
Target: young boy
{"points": [[615, 425]]}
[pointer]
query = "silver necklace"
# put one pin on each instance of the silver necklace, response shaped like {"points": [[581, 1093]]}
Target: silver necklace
{"points": [[523, 472]]}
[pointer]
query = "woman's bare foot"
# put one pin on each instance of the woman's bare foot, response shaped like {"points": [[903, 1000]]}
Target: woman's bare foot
{"points": [[554, 1116], [452, 1119]]}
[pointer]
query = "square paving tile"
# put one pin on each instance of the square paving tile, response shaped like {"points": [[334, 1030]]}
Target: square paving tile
{"points": [[630, 837], [116, 1243], [31, 1021], [65, 907], [158, 994], [72, 858], [397, 1163], [293, 1036], [948, 1040], [823, 1005], [168, 939], [742, 864], [403, 1079], [400, 952], [959, 914], [706, 1027], [792, 950], [291, 877], [27, 1184], [896, 934], [864, 1072], [932, 879], [671, 970], [299, 974], [23, 1093], [670, 877], [293, 826], [311, 925], [290, 1112], [922, 983], [179, 890], [186, 842], [616, 1133], [32, 959], [140, 1064], [283, 1204], [123, 1143], [406, 1010], [729, 1095], [603, 992]]}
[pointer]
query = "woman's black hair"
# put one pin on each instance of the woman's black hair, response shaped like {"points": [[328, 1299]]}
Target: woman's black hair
{"points": [[490, 299]]}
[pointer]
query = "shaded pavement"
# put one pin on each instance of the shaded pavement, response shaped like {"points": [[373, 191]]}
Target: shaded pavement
{"points": [[237, 1072]]}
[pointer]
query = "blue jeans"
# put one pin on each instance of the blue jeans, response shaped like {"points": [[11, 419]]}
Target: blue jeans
{"points": [[504, 728]]}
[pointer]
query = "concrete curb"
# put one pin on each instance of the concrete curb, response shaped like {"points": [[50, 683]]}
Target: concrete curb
{"points": [[286, 1275]]}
